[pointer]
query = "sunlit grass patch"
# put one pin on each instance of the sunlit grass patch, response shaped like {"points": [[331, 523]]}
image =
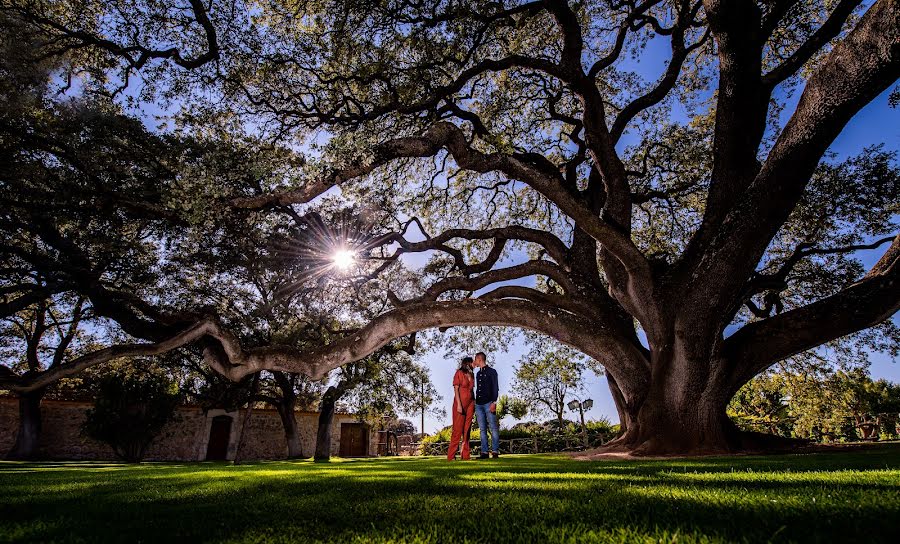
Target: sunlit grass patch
{"points": [[822, 497]]}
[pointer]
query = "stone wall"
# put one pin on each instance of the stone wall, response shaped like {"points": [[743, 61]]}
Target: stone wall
{"points": [[183, 439]]}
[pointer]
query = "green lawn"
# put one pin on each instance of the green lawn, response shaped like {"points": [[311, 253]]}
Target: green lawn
{"points": [[546, 499]]}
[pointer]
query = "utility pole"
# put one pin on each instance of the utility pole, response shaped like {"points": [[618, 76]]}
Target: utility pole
{"points": [[422, 405]]}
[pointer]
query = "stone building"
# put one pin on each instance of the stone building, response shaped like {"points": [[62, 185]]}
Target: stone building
{"points": [[193, 435]]}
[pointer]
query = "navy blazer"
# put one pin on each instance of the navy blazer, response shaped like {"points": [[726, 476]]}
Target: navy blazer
{"points": [[487, 387]]}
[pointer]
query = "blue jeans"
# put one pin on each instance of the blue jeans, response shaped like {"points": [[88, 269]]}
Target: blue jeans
{"points": [[485, 418]]}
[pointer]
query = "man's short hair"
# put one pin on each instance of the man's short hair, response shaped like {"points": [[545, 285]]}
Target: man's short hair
{"points": [[481, 354]]}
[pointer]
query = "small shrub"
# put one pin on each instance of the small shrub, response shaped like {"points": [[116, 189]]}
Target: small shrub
{"points": [[601, 425], [441, 436]]}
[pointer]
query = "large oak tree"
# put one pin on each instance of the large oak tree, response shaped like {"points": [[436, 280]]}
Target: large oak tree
{"points": [[525, 145]]}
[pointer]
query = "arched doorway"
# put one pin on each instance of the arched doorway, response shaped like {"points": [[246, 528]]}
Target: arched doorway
{"points": [[219, 436]]}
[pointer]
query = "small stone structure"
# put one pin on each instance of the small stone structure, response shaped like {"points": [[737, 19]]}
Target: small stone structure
{"points": [[186, 438]]}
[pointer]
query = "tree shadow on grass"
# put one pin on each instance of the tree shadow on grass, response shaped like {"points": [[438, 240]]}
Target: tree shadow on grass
{"points": [[514, 500]]}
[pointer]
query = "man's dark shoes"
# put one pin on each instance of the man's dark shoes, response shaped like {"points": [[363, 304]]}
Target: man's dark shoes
{"points": [[495, 455], [483, 456]]}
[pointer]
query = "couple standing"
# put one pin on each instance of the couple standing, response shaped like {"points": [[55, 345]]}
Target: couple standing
{"points": [[483, 402]]}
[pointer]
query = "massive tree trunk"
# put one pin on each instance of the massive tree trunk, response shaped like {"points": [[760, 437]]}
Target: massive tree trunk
{"points": [[683, 412], [29, 433]]}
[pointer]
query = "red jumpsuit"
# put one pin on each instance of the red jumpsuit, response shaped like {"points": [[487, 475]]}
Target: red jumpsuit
{"points": [[462, 422]]}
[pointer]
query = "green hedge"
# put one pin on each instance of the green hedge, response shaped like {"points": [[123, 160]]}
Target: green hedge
{"points": [[550, 437]]}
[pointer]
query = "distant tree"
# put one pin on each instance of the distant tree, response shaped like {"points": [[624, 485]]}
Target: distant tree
{"points": [[762, 404], [511, 406], [287, 393], [863, 401], [403, 427], [424, 396], [130, 410], [35, 339], [375, 388], [547, 377], [823, 403]]}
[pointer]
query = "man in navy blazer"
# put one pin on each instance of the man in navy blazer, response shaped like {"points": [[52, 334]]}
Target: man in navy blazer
{"points": [[486, 390]]}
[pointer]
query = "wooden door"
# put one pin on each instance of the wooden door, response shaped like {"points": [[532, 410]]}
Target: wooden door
{"points": [[354, 440], [219, 436]]}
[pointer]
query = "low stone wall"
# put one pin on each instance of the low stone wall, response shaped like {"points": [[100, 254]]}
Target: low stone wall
{"points": [[184, 439]]}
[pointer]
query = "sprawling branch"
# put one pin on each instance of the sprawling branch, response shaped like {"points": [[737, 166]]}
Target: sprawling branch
{"points": [[859, 68], [662, 88], [471, 284], [568, 303], [519, 167], [867, 302], [778, 280], [601, 341], [547, 240], [627, 24], [23, 384], [26, 299], [126, 308], [136, 56]]}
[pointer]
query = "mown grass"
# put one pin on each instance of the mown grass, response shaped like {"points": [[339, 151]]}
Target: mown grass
{"points": [[829, 497]]}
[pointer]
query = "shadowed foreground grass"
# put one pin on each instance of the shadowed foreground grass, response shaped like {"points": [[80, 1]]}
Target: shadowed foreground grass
{"points": [[819, 497]]}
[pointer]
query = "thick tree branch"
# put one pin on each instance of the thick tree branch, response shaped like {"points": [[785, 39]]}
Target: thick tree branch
{"points": [[868, 302], [530, 268], [604, 343], [572, 41], [741, 103], [859, 67], [23, 384], [570, 304]]}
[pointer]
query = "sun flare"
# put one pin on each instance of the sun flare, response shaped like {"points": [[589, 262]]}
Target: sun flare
{"points": [[343, 259]]}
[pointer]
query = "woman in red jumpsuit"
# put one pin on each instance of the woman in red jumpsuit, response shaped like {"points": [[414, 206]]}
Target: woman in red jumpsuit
{"points": [[463, 408]]}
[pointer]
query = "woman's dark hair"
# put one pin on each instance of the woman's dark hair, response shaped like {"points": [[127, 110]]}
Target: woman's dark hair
{"points": [[466, 364]]}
